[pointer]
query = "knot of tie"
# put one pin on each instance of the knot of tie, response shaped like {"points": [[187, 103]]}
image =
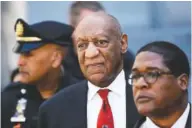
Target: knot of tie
{"points": [[103, 93]]}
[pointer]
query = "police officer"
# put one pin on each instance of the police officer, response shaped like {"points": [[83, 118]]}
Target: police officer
{"points": [[42, 48]]}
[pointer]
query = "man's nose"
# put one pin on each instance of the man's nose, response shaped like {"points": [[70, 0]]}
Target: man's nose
{"points": [[91, 51], [141, 83], [21, 61]]}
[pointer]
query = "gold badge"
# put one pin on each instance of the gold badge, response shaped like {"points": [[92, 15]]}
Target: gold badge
{"points": [[19, 29]]}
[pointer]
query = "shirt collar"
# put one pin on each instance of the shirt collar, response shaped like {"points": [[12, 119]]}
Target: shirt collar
{"points": [[180, 123], [117, 86]]}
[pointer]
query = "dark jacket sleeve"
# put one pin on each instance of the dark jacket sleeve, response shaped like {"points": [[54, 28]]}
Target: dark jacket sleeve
{"points": [[42, 118]]}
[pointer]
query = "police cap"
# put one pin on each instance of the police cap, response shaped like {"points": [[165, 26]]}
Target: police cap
{"points": [[30, 37]]}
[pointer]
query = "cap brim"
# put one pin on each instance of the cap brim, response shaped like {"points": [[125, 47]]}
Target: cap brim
{"points": [[26, 47]]}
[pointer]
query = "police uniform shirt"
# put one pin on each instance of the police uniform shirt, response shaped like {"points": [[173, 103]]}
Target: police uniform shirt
{"points": [[10, 95]]}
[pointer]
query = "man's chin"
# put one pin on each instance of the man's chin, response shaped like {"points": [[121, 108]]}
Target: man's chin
{"points": [[96, 78], [145, 110]]}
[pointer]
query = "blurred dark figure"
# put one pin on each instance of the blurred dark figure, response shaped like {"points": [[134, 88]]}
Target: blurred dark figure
{"points": [[129, 58], [42, 48], [79, 10]]}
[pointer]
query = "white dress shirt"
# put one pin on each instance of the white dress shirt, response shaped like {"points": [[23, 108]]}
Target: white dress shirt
{"points": [[180, 123], [116, 99]]}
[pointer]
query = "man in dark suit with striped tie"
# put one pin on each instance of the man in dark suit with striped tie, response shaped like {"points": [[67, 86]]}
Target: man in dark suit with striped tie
{"points": [[105, 99]]}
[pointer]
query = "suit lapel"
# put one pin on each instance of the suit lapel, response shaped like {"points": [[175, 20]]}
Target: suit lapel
{"points": [[140, 122], [79, 106], [131, 112]]}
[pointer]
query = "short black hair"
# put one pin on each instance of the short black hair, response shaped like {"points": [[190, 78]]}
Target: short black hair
{"points": [[77, 6], [174, 58]]}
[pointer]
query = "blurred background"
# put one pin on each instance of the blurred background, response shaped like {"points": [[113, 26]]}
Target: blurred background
{"points": [[142, 21]]}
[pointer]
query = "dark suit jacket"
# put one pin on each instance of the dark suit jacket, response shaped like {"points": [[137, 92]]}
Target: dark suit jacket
{"points": [[68, 108], [142, 120]]}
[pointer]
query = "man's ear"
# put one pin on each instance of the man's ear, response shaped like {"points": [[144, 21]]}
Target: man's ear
{"points": [[124, 43], [183, 81], [56, 59]]}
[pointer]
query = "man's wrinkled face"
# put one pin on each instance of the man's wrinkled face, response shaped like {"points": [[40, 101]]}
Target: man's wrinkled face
{"points": [[162, 93], [98, 49], [34, 65]]}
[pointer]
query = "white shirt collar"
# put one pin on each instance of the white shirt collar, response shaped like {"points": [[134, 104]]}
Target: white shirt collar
{"points": [[180, 123], [117, 86]]}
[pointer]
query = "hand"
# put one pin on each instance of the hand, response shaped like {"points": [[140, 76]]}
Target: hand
{"points": [[17, 126]]}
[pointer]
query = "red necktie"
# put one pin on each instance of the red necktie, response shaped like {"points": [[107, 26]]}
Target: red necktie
{"points": [[105, 118]]}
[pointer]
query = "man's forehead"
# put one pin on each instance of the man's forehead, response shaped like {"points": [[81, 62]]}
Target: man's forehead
{"points": [[149, 56], [92, 32], [148, 60], [97, 24], [95, 19], [46, 47], [90, 23], [91, 29]]}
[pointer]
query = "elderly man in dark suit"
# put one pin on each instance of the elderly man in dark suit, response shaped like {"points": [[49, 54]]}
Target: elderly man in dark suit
{"points": [[160, 78], [105, 99], [77, 11]]}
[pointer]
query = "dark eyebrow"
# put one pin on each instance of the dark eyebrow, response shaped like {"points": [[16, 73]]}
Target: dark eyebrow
{"points": [[153, 68], [134, 69], [92, 39], [148, 68], [81, 39]]}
